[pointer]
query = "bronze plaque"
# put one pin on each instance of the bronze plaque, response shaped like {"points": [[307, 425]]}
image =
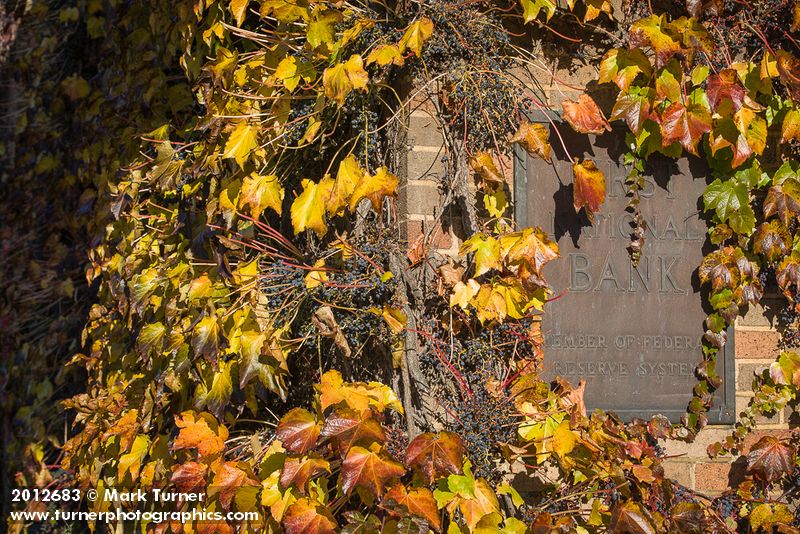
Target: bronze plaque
{"points": [[634, 334]]}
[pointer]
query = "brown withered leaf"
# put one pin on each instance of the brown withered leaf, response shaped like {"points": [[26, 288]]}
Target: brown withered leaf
{"points": [[326, 323], [534, 138], [688, 518], [298, 431], [305, 516], [783, 200], [772, 239], [589, 187], [585, 116], [435, 455], [415, 501], [368, 469], [770, 458]]}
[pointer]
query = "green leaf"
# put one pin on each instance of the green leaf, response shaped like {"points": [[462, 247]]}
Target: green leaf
{"points": [[731, 202], [531, 9]]}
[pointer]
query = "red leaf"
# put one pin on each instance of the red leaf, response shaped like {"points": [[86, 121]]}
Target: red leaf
{"points": [[584, 116], [685, 125], [364, 468], [770, 459], [347, 427], [307, 517], [723, 87], [227, 480], [190, 477], [298, 431], [414, 501], [435, 455]]}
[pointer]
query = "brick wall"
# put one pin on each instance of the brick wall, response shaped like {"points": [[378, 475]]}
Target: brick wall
{"points": [[756, 340]]}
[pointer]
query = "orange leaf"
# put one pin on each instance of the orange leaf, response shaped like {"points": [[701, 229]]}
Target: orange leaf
{"points": [[416, 501], [483, 164], [201, 433], [589, 187], [364, 468], [584, 116], [435, 455], [535, 138], [685, 124], [298, 431], [227, 480], [307, 517], [297, 471]]}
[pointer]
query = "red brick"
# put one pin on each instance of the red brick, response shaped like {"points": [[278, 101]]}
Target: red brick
{"points": [[753, 438], [712, 476], [757, 344], [438, 237]]}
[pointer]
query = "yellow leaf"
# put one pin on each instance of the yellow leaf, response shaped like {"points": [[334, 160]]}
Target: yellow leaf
{"points": [[415, 35], [239, 10], [260, 192], [320, 31], [242, 141], [487, 252], [132, 461], [464, 293], [564, 439], [382, 184], [483, 164], [246, 273], [384, 55], [286, 71], [358, 396], [495, 202], [340, 79], [316, 277], [395, 318], [349, 176], [308, 209]]}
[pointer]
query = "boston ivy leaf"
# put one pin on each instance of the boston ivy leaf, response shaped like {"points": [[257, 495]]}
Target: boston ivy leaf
{"points": [[790, 126], [770, 459], [633, 107], [217, 395], [286, 11], [260, 192], [589, 187], [595, 7], [298, 430], [584, 116], [654, 31], [375, 188], [623, 65], [731, 202], [788, 276], [370, 469], [241, 142], [693, 34], [487, 252], [772, 240], [786, 370], [530, 247], [725, 92], [205, 338], [534, 138], [385, 54], [347, 427], [483, 164], [339, 80], [297, 472], [239, 10], [320, 31], [305, 516], [130, 463], [415, 501], [765, 517], [631, 518], [789, 71], [202, 432], [435, 455], [726, 135], [229, 477], [415, 36], [349, 175], [358, 396], [308, 209], [783, 201], [685, 124], [190, 477], [531, 9], [669, 82]]}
